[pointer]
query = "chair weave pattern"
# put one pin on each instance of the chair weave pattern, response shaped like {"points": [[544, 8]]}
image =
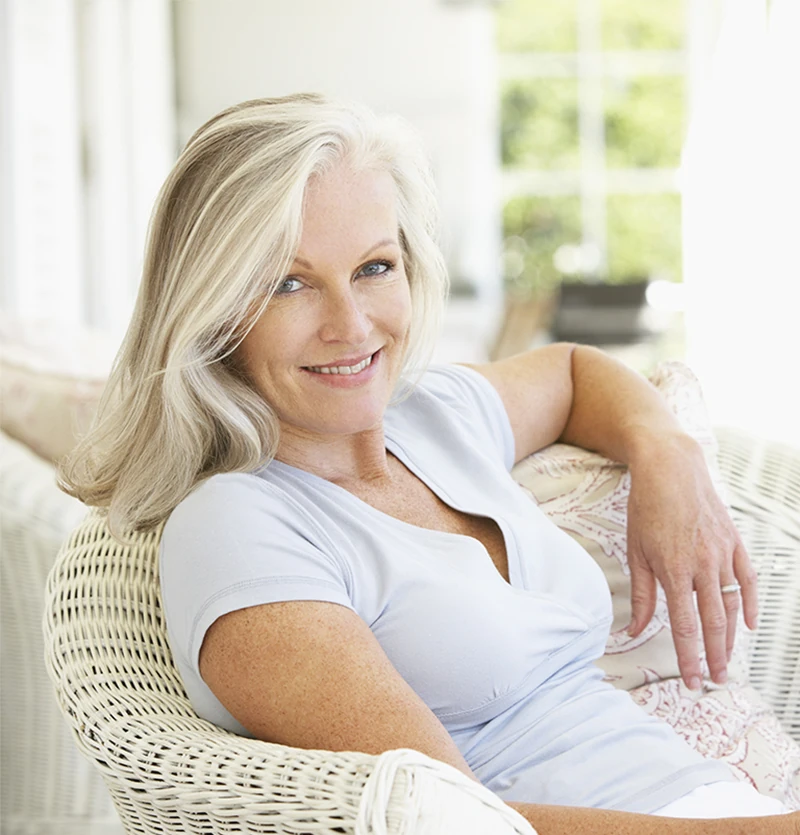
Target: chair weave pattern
{"points": [[763, 479]]}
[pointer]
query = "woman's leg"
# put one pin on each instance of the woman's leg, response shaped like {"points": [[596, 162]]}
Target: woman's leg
{"points": [[723, 800]]}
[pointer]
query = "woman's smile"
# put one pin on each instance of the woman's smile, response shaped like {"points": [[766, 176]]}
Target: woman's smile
{"points": [[346, 373]]}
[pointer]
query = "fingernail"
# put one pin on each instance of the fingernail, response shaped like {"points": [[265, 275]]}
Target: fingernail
{"points": [[632, 628], [695, 683], [722, 677]]}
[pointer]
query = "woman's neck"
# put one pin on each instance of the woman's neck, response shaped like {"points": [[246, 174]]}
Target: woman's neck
{"points": [[341, 459]]}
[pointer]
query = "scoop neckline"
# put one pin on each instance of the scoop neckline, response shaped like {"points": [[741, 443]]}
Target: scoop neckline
{"points": [[515, 579]]}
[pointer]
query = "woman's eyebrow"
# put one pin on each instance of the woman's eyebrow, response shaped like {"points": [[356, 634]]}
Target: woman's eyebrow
{"points": [[384, 242]]}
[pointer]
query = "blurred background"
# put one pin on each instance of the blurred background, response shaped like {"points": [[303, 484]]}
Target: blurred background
{"points": [[614, 172]]}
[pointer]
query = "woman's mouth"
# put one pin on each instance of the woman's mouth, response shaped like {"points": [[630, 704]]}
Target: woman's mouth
{"points": [[342, 369]]}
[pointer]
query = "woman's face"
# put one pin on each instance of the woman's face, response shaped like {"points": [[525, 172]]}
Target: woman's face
{"points": [[327, 351]]}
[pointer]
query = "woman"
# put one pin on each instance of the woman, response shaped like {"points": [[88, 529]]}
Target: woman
{"points": [[347, 563]]}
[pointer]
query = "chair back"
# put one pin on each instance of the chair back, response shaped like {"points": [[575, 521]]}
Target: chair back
{"points": [[107, 654]]}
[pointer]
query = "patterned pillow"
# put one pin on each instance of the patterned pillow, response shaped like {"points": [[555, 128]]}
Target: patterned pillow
{"points": [[586, 495], [51, 380]]}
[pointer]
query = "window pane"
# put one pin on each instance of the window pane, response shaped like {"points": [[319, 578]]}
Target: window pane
{"points": [[644, 121], [538, 25], [534, 228], [644, 236], [539, 123], [634, 24]]}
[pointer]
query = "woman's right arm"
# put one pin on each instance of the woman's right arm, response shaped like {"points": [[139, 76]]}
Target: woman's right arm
{"points": [[311, 674]]}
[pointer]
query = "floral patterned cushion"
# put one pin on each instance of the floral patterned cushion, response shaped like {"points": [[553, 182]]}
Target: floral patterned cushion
{"points": [[586, 495]]}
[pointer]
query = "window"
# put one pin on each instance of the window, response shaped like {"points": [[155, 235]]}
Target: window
{"points": [[593, 104]]}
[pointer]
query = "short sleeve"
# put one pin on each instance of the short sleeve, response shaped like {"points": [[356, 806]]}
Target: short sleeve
{"points": [[235, 542], [477, 404]]}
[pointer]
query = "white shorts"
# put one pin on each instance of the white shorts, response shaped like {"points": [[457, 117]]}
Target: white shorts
{"points": [[722, 800]]}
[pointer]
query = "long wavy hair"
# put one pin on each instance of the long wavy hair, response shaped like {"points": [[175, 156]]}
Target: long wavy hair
{"points": [[224, 231]]}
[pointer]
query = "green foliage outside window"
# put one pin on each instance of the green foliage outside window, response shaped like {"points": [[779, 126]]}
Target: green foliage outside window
{"points": [[539, 123], [537, 26], [639, 24], [551, 25], [535, 227], [644, 121], [644, 236]]}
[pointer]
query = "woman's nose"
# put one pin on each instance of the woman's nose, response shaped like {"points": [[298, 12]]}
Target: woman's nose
{"points": [[345, 319]]}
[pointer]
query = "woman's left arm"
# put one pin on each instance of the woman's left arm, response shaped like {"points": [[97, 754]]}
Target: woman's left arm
{"points": [[679, 531]]}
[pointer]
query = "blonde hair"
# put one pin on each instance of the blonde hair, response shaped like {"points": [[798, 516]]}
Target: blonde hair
{"points": [[225, 229]]}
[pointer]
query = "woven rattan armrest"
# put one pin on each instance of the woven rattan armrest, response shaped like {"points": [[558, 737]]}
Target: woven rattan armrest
{"points": [[184, 775], [763, 480], [191, 777]]}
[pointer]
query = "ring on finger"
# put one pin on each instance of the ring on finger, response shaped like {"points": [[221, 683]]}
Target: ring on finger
{"points": [[730, 588]]}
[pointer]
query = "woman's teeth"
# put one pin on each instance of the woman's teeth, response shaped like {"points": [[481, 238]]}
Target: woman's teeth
{"points": [[341, 369]]}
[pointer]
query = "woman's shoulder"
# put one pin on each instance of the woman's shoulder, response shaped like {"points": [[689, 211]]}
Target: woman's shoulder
{"points": [[232, 522], [450, 380], [459, 387], [455, 404], [235, 501], [223, 488]]}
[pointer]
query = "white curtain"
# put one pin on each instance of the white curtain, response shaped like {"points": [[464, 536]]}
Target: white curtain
{"points": [[741, 197], [42, 229], [87, 136]]}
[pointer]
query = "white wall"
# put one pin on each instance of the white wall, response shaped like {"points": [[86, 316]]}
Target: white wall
{"points": [[429, 60]]}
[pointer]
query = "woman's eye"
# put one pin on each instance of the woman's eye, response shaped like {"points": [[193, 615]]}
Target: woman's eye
{"points": [[289, 285], [376, 268]]}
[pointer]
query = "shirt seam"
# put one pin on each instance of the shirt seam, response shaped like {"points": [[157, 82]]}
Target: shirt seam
{"points": [[341, 563], [254, 583]]}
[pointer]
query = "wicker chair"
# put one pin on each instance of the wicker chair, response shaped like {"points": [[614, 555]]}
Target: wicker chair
{"points": [[168, 771]]}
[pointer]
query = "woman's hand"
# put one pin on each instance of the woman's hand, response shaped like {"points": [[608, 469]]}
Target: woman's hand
{"points": [[680, 533]]}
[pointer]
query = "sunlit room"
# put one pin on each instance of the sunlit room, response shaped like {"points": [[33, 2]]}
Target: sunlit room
{"points": [[614, 253]]}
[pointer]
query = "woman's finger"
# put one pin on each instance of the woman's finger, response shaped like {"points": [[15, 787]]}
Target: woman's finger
{"points": [[715, 613], [683, 620], [748, 579], [731, 602], [643, 592]]}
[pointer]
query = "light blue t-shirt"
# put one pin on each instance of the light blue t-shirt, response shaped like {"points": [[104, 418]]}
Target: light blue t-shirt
{"points": [[506, 666]]}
